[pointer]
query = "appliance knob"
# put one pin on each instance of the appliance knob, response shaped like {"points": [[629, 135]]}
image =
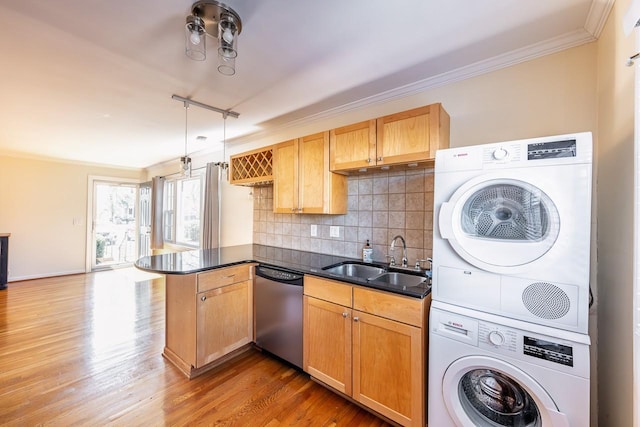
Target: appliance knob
{"points": [[496, 338], [500, 153]]}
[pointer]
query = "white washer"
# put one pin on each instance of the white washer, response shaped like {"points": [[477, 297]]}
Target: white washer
{"points": [[512, 224], [486, 370]]}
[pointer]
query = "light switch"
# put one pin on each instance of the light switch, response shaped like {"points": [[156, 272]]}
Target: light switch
{"points": [[314, 230], [334, 231]]}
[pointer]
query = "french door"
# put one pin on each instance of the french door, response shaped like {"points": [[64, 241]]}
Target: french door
{"points": [[114, 225]]}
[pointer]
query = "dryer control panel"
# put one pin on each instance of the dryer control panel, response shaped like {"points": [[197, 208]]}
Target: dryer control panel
{"points": [[552, 149]]}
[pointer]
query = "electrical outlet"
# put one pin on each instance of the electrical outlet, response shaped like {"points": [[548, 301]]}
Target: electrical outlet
{"points": [[314, 230], [334, 231]]}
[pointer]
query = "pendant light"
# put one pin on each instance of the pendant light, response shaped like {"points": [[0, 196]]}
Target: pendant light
{"points": [[185, 161]]}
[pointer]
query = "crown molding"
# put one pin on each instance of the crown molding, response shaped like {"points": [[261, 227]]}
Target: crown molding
{"points": [[554, 45], [597, 17]]}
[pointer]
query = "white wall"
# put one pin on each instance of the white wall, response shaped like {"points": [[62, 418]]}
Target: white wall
{"points": [[43, 204], [615, 222]]}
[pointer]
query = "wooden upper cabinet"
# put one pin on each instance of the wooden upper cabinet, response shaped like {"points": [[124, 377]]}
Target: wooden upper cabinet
{"points": [[285, 177], [353, 146], [302, 180], [411, 136]]}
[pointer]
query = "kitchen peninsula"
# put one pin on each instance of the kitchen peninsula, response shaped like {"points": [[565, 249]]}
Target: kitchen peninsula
{"points": [[364, 339]]}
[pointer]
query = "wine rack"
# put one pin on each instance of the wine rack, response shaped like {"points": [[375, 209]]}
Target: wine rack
{"points": [[252, 168]]}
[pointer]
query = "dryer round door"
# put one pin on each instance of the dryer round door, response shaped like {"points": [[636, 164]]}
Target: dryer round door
{"points": [[500, 224], [483, 391]]}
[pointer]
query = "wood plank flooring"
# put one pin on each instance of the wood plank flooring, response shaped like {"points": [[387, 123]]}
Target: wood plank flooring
{"points": [[86, 350]]}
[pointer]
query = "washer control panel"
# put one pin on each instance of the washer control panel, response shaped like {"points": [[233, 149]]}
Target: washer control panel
{"points": [[509, 341], [489, 336]]}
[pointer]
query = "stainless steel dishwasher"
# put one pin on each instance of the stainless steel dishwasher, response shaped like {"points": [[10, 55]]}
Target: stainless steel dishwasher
{"points": [[278, 311]]}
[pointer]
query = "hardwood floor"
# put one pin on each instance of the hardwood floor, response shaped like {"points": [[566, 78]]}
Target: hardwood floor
{"points": [[86, 350]]}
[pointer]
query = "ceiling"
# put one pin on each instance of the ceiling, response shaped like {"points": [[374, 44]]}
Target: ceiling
{"points": [[92, 81]]}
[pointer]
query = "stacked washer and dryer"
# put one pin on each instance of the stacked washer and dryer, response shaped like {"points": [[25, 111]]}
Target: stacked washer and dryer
{"points": [[508, 337]]}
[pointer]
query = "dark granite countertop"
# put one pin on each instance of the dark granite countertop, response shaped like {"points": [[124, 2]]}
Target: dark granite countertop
{"points": [[196, 261]]}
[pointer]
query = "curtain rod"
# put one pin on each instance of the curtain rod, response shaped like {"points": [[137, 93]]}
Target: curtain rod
{"points": [[224, 113]]}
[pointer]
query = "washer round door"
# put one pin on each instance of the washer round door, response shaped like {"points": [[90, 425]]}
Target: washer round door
{"points": [[482, 391], [500, 225]]}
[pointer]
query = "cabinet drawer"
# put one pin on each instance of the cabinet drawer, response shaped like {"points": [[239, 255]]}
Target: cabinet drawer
{"points": [[222, 277], [328, 290], [395, 307]]}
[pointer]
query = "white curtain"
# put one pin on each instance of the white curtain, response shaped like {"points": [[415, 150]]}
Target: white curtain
{"points": [[157, 189], [211, 215]]}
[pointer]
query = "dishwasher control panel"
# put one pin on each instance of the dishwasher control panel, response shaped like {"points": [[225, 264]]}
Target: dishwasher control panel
{"points": [[276, 274]]}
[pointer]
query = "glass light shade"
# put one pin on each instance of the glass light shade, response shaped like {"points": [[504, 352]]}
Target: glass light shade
{"points": [[227, 45], [185, 166], [226, 65], [195, 38]]}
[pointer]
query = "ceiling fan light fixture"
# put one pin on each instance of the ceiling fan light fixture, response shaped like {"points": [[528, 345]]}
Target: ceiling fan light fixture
{"points": [[212, 18]]}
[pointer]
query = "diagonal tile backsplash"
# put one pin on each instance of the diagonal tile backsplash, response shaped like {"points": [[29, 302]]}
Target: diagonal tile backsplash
{"points": [[381, 205]]}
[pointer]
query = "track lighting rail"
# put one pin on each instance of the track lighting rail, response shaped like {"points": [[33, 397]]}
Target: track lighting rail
{"points": [[225, 113]]}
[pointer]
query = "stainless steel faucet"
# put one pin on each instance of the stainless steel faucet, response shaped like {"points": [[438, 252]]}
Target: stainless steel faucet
{"points": [[405, 261]]}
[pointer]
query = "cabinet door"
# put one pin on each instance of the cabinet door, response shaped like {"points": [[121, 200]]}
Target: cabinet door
{"points": [[285, 177], [411, 136], [224, 321], [353, 146], [313, 172], [388, 368], [327, 343]]}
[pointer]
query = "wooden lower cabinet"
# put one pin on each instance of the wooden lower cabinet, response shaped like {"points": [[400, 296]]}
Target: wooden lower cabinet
{"points": [[209, 316], [327, 343], [224, 321], [369, 355], [388, 368]]}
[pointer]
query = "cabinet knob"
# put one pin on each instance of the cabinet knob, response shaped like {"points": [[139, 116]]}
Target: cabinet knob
{"points": [[379, 159], [203, 298], [345, 314], [369, 160], [356, 318]]}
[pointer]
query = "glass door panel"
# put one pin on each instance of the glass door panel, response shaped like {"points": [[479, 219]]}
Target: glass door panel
{"points": [[114, 224]]}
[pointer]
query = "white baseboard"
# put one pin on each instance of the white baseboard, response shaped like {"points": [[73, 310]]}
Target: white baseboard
{"points": [[44, 275]]}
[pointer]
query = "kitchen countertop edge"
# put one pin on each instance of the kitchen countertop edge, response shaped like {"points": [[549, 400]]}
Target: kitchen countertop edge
{"points": [[200, 260]]}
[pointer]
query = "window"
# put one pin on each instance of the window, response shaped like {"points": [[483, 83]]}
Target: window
{"points": [[182, 211]]}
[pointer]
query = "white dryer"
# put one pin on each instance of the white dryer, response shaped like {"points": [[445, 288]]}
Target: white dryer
{"points": [[512, 224], [486, 370]]}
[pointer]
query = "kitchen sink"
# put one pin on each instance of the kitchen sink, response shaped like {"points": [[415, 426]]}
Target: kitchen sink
{"points": [[355, 270], [399, 279]]}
